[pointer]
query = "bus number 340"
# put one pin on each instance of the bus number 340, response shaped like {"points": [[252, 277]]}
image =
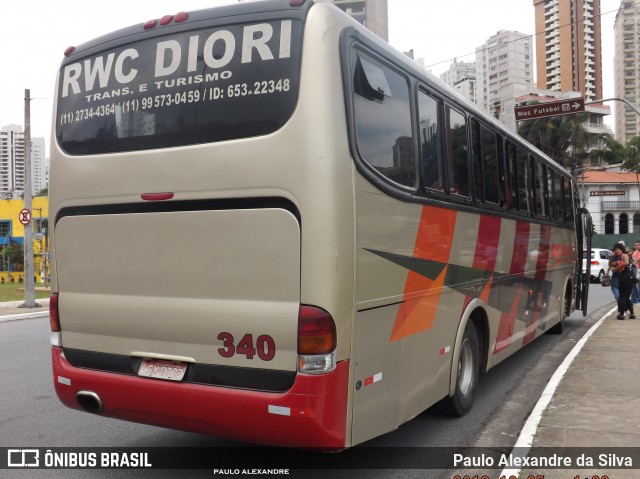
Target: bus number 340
{"points": [[265, 346]]}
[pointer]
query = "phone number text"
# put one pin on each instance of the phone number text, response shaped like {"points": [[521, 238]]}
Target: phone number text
{"points": [[237, 90]]}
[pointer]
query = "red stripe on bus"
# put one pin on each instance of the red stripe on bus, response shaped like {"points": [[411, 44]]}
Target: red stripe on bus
{"points": [[486, 254], [487, 243], [517, 268], [541, 274]]}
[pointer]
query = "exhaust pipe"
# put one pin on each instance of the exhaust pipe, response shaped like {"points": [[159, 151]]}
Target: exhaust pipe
{"points": [[89, 401]]}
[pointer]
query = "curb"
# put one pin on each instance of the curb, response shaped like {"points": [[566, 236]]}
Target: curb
{"points": [[42, 312], [15, 317]]}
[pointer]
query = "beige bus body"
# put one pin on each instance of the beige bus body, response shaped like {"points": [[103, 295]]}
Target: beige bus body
{"points": [[165, 284]]}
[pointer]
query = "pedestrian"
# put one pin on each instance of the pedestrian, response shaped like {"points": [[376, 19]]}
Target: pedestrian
{"points": [[635, 267], [615, 275], [621, 265]]}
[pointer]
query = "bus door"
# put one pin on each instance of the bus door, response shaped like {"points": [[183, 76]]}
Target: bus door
{"points": [[583, 242]]}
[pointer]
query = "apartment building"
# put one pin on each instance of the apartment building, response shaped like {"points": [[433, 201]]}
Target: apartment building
{"points": [[373, 14], [12, 163], [568, 53], [627, 68], [461, 76], [505, 60]]}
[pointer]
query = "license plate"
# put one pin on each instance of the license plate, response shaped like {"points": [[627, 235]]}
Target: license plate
{"points": [[162, 369]]}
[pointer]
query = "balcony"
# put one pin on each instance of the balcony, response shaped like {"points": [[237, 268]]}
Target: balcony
{"points": [[620, 205]]}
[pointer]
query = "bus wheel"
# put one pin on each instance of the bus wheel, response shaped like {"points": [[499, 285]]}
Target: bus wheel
{"points": [[558, 328], [468, 373]]}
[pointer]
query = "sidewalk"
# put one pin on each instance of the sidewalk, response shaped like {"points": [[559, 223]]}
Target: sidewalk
{"points": [[597, 402], [11, 311]]}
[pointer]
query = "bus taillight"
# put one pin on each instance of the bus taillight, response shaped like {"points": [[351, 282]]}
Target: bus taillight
{"points": [[54, 320], [316, 340]]}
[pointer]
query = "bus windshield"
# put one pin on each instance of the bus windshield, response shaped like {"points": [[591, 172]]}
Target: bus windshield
{"points": [[190, 87]]}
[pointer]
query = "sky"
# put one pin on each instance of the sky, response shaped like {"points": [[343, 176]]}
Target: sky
{"points": [[34, 38]]}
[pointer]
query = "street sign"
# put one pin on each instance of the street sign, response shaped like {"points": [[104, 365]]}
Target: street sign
{"points": [[552, 108], [24, 216]]}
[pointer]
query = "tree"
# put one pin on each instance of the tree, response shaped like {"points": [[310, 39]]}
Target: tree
{"points": [[611, 152], [43, 192], [631, 155], [562, 137], [14, 255]]}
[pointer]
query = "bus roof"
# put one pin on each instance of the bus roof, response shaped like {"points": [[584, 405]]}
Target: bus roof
{"points": [[155, 27]]}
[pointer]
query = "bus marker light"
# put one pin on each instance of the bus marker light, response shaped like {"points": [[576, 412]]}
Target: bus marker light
{"points": [[156, 196], [69, 51], [181, 17], [150, 24], [373, 379], [296, 3], [166, 20]]}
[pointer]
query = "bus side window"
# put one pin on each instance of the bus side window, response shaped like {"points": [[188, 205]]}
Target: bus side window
{"points": [[559, 196], [556, 206], [383, 121], [538, 186], [568, 203], [512, 172], [370, 81], [457, 152], [430, 142], [518, 177], [486, 169]]}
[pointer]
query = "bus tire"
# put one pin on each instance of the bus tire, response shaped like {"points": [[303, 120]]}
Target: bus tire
{"points": [[558, 328], [468, 373]]}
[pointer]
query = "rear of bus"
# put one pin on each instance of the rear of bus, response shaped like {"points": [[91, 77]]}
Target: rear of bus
{"points": [[202, 270]]}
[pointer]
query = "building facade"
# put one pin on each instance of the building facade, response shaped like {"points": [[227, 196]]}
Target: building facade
{"points": [[627, 68], [506, 59], [569, 54], [12, 163], [461, 76], [12, 234], [373, 14], [613, 199]]}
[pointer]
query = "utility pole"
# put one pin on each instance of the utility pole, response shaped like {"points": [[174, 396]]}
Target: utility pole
{"points": [[29, 286]]}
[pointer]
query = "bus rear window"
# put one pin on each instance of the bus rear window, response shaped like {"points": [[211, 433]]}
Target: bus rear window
{"points": [[186, 88]]}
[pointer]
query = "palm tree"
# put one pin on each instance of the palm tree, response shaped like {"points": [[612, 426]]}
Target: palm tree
{"points": [[562, 137]]}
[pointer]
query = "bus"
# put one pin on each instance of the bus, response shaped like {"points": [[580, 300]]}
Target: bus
{"points": [[270, 226]]}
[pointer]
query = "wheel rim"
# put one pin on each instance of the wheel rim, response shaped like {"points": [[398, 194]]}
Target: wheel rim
{"points": [[465, 368]]}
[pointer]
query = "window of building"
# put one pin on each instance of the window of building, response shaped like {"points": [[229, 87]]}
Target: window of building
{"points": [[5, 229], [623, 224], [608, 224]]}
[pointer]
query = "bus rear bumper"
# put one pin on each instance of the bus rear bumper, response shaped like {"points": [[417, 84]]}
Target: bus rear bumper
{"points": [[312, 414]]}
